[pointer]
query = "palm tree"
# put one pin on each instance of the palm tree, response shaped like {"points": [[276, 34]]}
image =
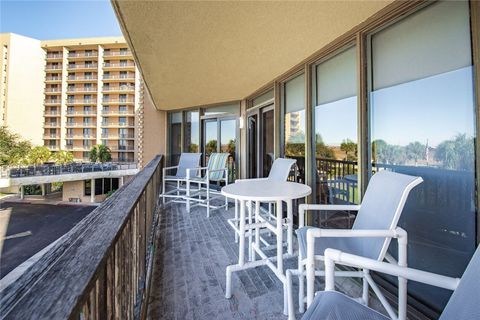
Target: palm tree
{"points": [[103, 153], [93, 154], [63, 157]]}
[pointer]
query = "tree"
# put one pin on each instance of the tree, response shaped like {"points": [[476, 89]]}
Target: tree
{"points": [[93, 154], [13, 150], [103, 153], [62, 157], [350, 149], [211, 147], [38, 155], [415, 151], [456, 154]]}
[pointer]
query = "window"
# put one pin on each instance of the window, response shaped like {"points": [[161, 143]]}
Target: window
{"points": [[70, 110], [87, 98], [87, 143], [122, 120], [423, 124], [87, 132], [106, 74], [335, 96], [175, 129], [106, 97], [192, 131], [87, 120], [104, 133], [122, 98], [122, 108], [123, 63], [294, 123], [123, 74]]}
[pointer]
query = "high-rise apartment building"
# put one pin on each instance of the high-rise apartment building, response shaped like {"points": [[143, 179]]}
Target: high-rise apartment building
{"points": [[21, 86], [92, 96], [73, 94]]}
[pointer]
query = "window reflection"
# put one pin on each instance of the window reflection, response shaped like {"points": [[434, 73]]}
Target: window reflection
{"points": [[192, 140]]}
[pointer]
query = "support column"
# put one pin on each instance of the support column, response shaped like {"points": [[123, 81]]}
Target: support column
{"points": [[92, 190], [22, 192], [43, 189], [120, 181]]}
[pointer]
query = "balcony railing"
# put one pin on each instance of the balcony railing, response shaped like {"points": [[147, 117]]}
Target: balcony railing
{"points": [[83, 54], [81, 136], [117, 136], [119, 77], [117, 53], [52, 101], [122, 148], [119, 112], [83, 66], [81, 101], [51, 136], [53, 90], [128, 100], [102, 267], [53, 79], [73, 90], [50, 67], [52, 113], [54, 56], [122, 88], [118, 124], [81, 124], [118, 65], [51, 124], [81, 113], [80, 78]]}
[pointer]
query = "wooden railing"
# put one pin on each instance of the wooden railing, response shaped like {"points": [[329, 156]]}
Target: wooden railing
{"points": [[102, 268]]}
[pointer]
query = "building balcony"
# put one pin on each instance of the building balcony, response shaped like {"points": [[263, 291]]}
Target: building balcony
{"points": [[117, 136], [118, 112], [116, 148], [120, 54], [78, 67], [78, 148], [51, 113], [53, 79], [118, 124], [119, 89], [53, 90], [112, 65], [118, 101], [119, 78], [52, 102], [81, 113], [53, 148], [81, 101], [74, 79], [81, 124], [81, 90], [80, 136], [54, 56], [80, 55], [51, 125], [53, 68], [51, 136]]}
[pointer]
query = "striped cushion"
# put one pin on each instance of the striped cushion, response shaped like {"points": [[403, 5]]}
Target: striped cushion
{"points": [[217, 161]]}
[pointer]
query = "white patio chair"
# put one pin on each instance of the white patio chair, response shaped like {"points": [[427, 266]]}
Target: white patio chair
{"points": [[187, 160], [330, 304], [370, 236], [279, 171], [216, 171]]}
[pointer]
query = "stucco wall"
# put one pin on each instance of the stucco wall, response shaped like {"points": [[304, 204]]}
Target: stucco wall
{"points": [[154, 131], [75, 189]]}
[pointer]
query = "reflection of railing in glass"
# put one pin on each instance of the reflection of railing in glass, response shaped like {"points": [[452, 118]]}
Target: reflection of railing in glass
{"points": [[336, 181]]}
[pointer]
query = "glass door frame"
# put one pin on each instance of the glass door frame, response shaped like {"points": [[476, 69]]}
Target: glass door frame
{"points": [[259, 111]]}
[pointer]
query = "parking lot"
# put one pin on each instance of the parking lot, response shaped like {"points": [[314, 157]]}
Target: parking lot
{"points": [[31, 227]]}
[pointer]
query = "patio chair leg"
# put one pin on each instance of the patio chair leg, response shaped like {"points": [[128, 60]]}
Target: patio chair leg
{"points": [[250, 238], [301, 285], [290, 307], [188, 196], [228, 285], [365, 288], [208, 199], [163, 191], [285, 302]]}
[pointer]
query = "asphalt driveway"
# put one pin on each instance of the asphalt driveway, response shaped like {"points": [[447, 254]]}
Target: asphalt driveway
{"points": [[31, 227]]}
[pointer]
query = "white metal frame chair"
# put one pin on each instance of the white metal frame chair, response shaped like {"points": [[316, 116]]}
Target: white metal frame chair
{"points": [[370, 236], [215, 171], [187, 160], [463, 304], [279, 171]]}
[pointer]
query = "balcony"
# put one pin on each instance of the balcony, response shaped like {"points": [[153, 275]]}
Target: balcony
{"points": [[53, 148], [118, 101], [81, 90], [118, 124], [49, 102], [81, 101], [53, 90], [117, 148], [80, 136], [82, 79], [117, 136], [113, 78], [51, 136], [54, 56], [53, 79], [127, 53], [81, 124], [114, 65], [118, 89], [78, 147], [78, 67], [53, 68], [51, 125], [118, 112], [81, 112], [73, 56]]}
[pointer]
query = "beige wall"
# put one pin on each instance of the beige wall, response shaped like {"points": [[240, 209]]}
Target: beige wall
{"points": [[75, 189], [152, 137], [24, 88]]}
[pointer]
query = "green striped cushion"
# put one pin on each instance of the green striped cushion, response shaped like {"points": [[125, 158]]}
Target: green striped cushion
{"points": [[217, 161]]}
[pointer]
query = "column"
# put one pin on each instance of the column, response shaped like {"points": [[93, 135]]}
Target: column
{"points": [[92, 190]]}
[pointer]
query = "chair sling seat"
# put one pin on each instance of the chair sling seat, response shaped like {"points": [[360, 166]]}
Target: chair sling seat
{"points": [[333, 305]]}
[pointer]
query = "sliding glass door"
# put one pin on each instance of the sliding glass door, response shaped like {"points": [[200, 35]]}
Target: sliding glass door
{"points": [[260, 141], [422, 123]]}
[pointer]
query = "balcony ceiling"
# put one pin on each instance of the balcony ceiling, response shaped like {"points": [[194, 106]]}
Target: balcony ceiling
{"points": [[198, 53]]}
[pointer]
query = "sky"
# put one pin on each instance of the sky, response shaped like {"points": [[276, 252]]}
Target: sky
{"points": [[62, 19]]}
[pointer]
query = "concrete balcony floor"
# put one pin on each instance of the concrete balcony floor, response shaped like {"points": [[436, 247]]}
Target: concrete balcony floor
{"points": [[189, 272]]}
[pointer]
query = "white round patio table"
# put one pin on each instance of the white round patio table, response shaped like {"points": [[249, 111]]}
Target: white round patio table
{"points": [[264, 190]]}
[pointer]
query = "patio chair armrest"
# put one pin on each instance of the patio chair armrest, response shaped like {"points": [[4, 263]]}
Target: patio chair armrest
{"points": [[323, 207], [170, 168], [333, 256], [188, 170]]}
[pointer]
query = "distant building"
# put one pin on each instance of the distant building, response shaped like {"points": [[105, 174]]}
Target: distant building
{"points": [[72, 94]]}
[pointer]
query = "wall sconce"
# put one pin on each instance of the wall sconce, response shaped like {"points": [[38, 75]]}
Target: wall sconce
{"points": [[240, 122]]}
